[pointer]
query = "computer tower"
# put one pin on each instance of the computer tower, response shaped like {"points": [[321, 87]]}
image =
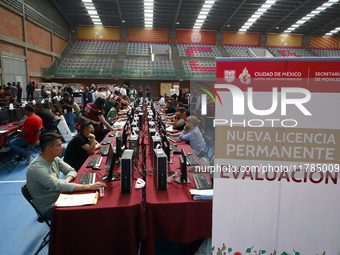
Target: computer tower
{"points": [[155, 140], [140, 116], [134, 145], [126, 167], [160, 166]]}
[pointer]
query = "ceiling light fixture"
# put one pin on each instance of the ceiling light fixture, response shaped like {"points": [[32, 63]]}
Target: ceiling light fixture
{"points": [[263, 8], [148, 13], [204, 12], [310, 15]]}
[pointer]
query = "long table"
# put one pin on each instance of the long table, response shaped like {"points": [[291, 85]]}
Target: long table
{"points": [[115, 225], [172, 214], [119, 222], [9, 129]]}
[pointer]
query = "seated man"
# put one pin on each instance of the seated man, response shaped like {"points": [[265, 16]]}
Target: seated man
{"points": [[27, 136], [172, 115], [169, 108], [114, 113], [193, 135], [43, 174], [81, 146], [6, 96], [179, 122], [46, 116]]}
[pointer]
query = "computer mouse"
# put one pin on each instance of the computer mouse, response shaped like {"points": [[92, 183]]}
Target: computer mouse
{"points": [[189, 153], [96, 168]]}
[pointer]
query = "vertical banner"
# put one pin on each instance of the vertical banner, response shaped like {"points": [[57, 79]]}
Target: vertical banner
{"points": [[165, 88], [277, 156]]}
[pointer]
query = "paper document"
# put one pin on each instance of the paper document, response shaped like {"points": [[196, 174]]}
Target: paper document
{"points": [[169, 128], [77, 199], [202, 192]]}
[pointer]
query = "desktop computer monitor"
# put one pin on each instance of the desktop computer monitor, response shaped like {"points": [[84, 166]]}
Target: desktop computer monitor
{"points": [[5, 117], [125, 131], [183, 179], [19, 113], [110, 164], [166, 149]]}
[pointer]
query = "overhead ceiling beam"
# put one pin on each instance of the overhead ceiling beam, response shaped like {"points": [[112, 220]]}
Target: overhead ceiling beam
{"points": [[178, 8], [232, 15], [66, 17], [329, 23], [120, 14], [297, 8]]}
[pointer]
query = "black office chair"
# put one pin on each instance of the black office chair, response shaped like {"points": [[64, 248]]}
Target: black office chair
{"points": [[34, 146], [41, 218]]}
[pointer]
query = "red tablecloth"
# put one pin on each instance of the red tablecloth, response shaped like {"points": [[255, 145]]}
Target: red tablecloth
{"points": [[10, 128], [115, 225], [173, 214]]}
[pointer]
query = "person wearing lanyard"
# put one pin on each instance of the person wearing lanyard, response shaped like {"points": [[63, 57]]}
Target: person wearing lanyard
{"points": [[67, 106]]}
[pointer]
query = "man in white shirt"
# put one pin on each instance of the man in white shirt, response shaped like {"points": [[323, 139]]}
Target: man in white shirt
{"points": [[99, 93], [161, 100], [123, 90], [133, 94]]}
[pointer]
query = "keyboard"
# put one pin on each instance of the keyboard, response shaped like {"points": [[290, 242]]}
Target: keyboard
{"points": [[95, 162], [19, 122], [202, 181], [113, 133], [175, 149], [174, 139], [191, 161], [107, 141], [87, 178], [104, 151]]}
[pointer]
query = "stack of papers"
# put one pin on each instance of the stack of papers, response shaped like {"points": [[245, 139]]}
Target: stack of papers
{"points": [[77, 199], [203, 194]]}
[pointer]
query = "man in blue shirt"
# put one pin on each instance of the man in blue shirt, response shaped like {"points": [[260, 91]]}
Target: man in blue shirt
{"points": [[193, 135]]}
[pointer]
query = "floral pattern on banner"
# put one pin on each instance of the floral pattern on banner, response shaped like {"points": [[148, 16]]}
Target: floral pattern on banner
{"points": [[224, 251]]}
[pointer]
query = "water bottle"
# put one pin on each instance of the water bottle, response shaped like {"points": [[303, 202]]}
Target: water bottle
{"points": [[101, 191]]}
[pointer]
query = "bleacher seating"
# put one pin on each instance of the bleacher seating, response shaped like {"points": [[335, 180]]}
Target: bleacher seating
{"points": [[198, 50], [95, 47], [141, 48], [289, 52], [238, 50], [328, 53], [197, 67], [147, 64], [87, 63]]}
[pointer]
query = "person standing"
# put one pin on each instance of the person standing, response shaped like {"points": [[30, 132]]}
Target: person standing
{"points": [[19, 88], [87, 96], [53, 92], [140, 91], [123, 90], [14, 90], [148, 92], [82, 145], [100, 93], [27, 135], [133, 94], [30, 90], [93, 112], [43, 92], [67, 106]]}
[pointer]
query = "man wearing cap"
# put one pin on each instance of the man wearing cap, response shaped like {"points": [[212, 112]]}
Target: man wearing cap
{"points": [[19, 88], [29, 90]]}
